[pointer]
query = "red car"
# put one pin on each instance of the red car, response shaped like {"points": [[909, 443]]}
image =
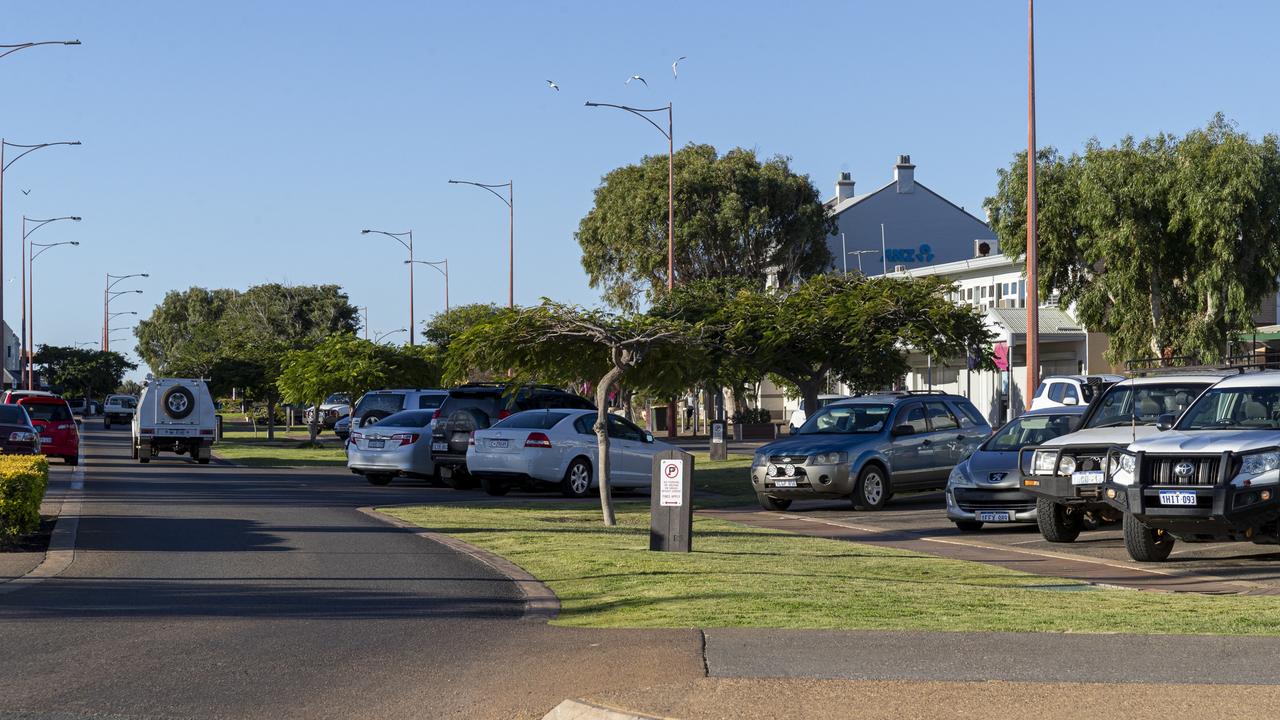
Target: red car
{"points": [[58, 434]]}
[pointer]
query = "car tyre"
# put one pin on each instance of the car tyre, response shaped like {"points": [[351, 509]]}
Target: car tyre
{"points": [[577, 479], [144, 460], [1145, 543], [106, 424], [203, 461], [968, 525], [71, 460], [871, 492], [494, 486], [1058, 523], [773, 503], [378, 478]]}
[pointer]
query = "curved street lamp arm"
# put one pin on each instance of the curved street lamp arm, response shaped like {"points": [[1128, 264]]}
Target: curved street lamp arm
{"points": [[31, 149], [41, 223], [11, 49], [638, 112], [118, 278], [436, 264], [45, 246], [395, 236], [486, 186]]}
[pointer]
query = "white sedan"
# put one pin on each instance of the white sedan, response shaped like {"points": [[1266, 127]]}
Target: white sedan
{"points": [[559, 447]]}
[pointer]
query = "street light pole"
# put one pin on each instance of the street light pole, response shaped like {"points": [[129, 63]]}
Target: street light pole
{"points": [[31, 336], [669, 134], [1033, 289], [378, 338], [436, 264], [24, 352], [399, 237], [510, 200], [108, 296]]}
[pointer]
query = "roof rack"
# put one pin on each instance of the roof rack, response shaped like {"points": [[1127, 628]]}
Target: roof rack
{"points": [[1239, 363]]}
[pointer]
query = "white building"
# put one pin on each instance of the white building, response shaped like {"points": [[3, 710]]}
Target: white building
{"points": [[11, 356]]}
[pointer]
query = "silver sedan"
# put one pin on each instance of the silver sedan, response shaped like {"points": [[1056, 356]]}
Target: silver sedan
{"points": [[399, 445], [558, 447]]}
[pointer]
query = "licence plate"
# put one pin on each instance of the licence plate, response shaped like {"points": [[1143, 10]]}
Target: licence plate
{"points": [[377, 444], [784, 483], [173, 431], [994, 517], [46, 439], [440, 446], [499, 443], [1175, 497], [1086, 477]]}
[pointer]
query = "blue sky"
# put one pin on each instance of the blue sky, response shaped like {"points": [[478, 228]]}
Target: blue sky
{"points": [[240, 142]]}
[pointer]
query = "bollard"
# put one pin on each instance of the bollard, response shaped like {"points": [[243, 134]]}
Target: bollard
{"points": [[719, 448], [671, 502]]}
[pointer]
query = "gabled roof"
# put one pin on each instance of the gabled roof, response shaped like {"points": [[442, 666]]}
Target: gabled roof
{"points": [[1053, 321], [835, 208]]}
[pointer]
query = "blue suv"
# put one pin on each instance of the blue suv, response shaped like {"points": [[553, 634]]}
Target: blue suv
{"points": [[868, 448]]}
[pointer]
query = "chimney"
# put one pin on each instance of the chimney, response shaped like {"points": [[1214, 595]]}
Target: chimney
{"points": [[904, 174], [844, 187]]}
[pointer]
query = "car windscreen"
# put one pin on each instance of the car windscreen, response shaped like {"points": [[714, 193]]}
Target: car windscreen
{"points": [[408, 418], [380, 402], [125, 402], [532, 420], [1234, 409], [1030, 430], [847, 419], [13, 415], [337, 399], [1142, 404], [431, 402], [49, 412]]}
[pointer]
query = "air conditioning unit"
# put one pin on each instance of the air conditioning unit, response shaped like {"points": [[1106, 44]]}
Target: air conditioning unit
{"points": [[899, 268], [984, 248]]}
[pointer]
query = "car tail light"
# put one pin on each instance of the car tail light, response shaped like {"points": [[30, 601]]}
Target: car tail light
{"points": [[405, 438], [503, 414], [471, 440], [537, 440], [436, 415]]}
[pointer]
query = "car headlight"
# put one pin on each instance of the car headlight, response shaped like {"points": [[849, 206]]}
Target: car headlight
{"points": [[833, 458], [958, 477], [1066, 465], [21, 436], [1043, 462], [759, 459], [1122, 468], [1255, 464]]}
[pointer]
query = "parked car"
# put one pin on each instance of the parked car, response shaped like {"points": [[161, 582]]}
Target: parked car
{"points": [[175, 415], [799, 416], [52, 417], [1213, 476], [83, 406], [476, 406], [868, 448], [1071, 390], [18, 436], [342, 428], [376, 405], [12, 396], [1065, 473], [334, 408], [987, 486], [559, 447], [398, 445], [118, 409]]}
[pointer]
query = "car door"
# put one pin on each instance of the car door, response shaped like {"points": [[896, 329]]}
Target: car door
{"points": [[946, 439], [625, 452], [905, 451]]}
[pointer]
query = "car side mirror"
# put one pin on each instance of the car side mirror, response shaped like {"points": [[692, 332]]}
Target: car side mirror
{"points": [[1070, 401], [648, 437], [1165, 421], [904, 429]]}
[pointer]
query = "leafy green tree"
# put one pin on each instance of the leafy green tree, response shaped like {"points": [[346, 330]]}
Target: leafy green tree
{"points": [[93, 373], [129, 387], [1168, 244], [567, 344], [182, 337], [735, 216], [445, 326]]}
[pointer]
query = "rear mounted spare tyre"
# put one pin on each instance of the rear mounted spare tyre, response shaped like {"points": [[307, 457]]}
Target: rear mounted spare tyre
{"points": [[178, 402], [459, 427], [372, 417]]}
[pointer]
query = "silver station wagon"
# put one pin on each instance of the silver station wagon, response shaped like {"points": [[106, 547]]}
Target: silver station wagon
{"points": [[868, 448]]}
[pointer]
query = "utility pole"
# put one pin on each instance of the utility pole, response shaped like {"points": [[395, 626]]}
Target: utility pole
{"points": [[1033, 289]]}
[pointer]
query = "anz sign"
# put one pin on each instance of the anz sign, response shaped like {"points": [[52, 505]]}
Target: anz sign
{"points": [[922, 254]]}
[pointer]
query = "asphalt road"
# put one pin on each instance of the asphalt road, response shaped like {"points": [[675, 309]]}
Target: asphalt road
{"points": [[925, 514], [207, 591]]}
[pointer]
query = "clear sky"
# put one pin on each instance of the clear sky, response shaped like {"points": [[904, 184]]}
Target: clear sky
{"points": [[240, 142]]}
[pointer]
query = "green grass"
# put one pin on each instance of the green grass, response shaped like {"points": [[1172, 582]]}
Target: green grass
{"points": [[747, 577], [289, 449], [723, 482]]}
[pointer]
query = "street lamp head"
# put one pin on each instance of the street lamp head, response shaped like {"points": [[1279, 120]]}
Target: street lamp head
{"points": [[76, 218], [71, 42], [74, 142], [138, 292], [591, 104], [365, 232], [75, 242], [143, 275]]}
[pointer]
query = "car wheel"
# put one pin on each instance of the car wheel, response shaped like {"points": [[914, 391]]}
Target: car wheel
{"points": [[143, 460], [772, 503], [494, 486], [106, 424], [71, 460], [577, 479], [203, 461], [134, 452], [1144, 543], [1058, 523], [968, 525], [871, 491], [378, 478]]}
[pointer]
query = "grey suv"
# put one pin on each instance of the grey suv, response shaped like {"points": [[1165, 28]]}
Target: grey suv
{"points": [[868, 448], [373, 406]]}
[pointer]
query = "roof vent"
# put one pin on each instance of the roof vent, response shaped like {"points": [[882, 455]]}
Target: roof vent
{"points": [[981, 248], [844, 187]]}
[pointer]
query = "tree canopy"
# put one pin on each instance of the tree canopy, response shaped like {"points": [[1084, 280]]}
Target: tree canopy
{"points": [[735, 216], [1168, 244], [91, 372], [444, 327]]}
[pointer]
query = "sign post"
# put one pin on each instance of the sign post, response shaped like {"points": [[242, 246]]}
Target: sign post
{"points": [[719, 448], [671, 502]]}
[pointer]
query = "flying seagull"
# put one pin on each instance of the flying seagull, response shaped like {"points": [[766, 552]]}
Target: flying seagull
{"points": [[551, 84], [674, 72], [26, 192], [636, 77]]}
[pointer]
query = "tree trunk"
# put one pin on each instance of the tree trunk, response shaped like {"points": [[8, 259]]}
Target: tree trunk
{"points": [[271, 419], [313, 428], [809, 392], [602, 442]]}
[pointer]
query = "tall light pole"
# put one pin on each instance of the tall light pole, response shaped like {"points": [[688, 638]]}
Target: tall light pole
{"points": [[859, 254], [108, 296], [4, 164], [1033, 289], [31, 298], [399, 237], [669, 134], [436, 264], [24, 352], [510, 200]]}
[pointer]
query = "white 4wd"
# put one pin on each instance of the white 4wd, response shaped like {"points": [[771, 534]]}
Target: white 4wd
{"points": [[119, 409], [174, 415]]}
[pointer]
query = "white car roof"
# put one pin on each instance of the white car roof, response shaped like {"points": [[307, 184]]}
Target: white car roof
{"points": [[1252, 379]]}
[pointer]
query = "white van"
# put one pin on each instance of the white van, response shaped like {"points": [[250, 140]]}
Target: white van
{"points": [[175, 415]]}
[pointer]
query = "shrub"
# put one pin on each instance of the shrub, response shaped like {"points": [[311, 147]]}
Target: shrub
{"points": [[23, 479], [751, 416]]}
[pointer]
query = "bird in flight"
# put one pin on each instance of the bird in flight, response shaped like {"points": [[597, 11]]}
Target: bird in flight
{"points": [[636, 77], [551, 84], [26, 192], [674, 72]]}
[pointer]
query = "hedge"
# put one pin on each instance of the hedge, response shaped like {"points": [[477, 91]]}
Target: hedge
{"points": [[23, 479]]}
